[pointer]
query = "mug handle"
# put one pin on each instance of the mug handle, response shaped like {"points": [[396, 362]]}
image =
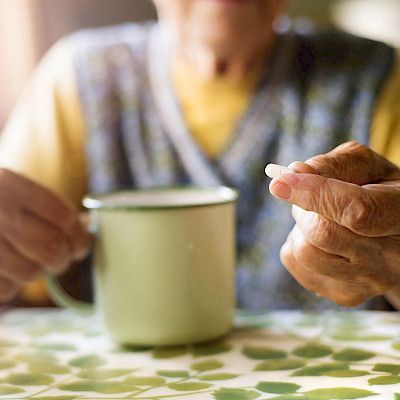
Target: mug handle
{"points": [[63, 299]]}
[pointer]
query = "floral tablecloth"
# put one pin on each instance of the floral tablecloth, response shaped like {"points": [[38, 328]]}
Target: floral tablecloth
{"points": [[54, 354]]}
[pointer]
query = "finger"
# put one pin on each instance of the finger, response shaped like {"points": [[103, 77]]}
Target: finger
{"points": [[372, 210], [8, 290], [310, 281], [35, 239], [331, 237], [14, 266], [303, 168], [354, 163], [368, 274], [80, 240], [37, 199], [341, 293], [318, 261]]}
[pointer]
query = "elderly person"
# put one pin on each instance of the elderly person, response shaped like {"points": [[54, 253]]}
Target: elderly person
{"points": [[208, 96]]}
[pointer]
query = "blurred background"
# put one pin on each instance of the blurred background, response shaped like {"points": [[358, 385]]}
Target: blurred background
{"points": [[29, 27]]}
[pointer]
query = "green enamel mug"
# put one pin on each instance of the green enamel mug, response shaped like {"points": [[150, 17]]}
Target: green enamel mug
{"points": [[164, 265]]}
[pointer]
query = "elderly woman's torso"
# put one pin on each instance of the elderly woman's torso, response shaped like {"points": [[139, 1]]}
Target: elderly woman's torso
{"points": [[316, 92]]}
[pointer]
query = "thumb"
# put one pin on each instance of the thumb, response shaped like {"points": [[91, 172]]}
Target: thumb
{"points": [[350, 162], [372, 210]]}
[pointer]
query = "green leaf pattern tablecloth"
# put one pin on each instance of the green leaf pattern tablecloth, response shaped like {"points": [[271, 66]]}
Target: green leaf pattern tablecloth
{"points": [[54, 354]]}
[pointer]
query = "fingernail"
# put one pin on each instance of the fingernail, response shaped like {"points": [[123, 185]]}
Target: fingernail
{"points": [[281, 190]]}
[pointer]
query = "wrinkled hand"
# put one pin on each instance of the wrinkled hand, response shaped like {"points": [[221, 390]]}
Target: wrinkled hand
{"points": [[39, 232], [345, 245]]}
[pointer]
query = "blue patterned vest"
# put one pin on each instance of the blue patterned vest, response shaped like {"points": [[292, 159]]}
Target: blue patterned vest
{"points": [[316, 92]]}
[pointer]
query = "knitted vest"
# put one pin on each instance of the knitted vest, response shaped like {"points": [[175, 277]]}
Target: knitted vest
{"points": [[317, 91]]}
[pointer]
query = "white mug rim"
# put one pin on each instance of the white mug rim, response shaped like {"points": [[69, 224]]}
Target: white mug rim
{"points": [[117, 200]]}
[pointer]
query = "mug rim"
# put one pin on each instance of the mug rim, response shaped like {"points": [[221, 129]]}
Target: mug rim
{"points": [[96, 201]]}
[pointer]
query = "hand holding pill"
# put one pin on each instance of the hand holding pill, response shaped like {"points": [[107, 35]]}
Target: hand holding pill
{"points": [[345, 245]]}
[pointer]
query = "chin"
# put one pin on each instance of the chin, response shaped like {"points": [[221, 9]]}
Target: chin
{"points": [[221, 24], [229, 12], [229, 18], [230, 3]]}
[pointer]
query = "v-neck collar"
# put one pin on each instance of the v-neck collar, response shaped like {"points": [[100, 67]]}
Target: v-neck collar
{"points": [[193, 159], [256, 125]]}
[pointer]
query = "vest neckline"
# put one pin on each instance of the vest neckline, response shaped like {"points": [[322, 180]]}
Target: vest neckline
{"points": [[253, 126]]}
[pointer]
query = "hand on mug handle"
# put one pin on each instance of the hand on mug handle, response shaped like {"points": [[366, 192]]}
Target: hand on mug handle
{"points": [[57, 292], [39, 232]]}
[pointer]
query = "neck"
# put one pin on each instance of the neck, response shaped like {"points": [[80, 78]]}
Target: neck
{"points": [[209, 62]]}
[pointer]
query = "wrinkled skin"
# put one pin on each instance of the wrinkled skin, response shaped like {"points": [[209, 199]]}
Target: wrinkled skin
{"points": [[39, 232], [345, 245]]}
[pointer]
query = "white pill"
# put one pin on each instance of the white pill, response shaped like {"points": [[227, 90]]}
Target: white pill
{"points": [[275, 171]]}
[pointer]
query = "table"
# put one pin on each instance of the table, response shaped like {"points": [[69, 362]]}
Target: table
{"points": [[54, 354]]}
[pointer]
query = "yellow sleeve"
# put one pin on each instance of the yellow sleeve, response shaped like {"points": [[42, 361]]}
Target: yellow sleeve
{"points": [[44, 137], [385, 133]]}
